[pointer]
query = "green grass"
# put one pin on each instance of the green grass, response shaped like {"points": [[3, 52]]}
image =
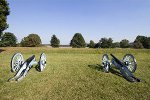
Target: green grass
{"points": [[73, 74]]}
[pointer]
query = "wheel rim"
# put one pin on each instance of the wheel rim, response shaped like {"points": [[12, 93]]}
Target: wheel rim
{"points": [[16, 62], [105, 58], [42, 61], [130, 62], [105, 63]]}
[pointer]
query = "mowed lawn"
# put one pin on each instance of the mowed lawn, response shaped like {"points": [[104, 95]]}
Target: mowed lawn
{"points": [[74, 74]]}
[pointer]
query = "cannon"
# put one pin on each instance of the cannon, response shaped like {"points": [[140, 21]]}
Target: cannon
{"points": [[126, 67], [22, 67]]}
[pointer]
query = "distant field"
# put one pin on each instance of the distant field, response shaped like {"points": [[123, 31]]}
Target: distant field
{"points": [[74, 74]]}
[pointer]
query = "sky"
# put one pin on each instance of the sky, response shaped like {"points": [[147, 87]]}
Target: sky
{"points": [[94, 19]]}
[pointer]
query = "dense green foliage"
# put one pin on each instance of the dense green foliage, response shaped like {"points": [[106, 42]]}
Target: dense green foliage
{"points": [[91, 44], [74, 74], [137, 44], [4, 12], [8, 39], [55, 42], [142, 41], [78, 41], [124, 43], [32, 40], [116, 45], [148, 42], [97, 45], [106, 43]]}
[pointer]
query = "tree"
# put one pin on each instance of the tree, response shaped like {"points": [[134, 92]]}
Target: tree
{"points": [[141, 39], [97, 45], [148, 43], [78, 41], [55, 42], [91, 44], [106, 43], [116, 45], [124, 43], [32, 40], [4, 12], [144, 40], [137, 44], [8, 39], [110, 42]]}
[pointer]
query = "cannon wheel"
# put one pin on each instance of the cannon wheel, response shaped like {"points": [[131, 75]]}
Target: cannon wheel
{"points": [[16, 61], [105, 63], [42, 62], [105, 58], [130, 62]]}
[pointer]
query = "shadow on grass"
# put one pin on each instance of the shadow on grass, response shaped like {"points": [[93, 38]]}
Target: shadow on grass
{"points": [[37, 68], [100, 68], [96, 67], [115, 72], [1, 50]]}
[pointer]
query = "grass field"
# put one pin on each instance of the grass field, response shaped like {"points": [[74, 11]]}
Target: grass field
{"points": [[74, 74]]}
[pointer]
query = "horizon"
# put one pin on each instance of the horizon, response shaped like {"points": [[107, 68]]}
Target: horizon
{"points": [[94, 19]]}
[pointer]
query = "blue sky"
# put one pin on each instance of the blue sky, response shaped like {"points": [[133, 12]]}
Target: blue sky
{"points": [[95, 19]]}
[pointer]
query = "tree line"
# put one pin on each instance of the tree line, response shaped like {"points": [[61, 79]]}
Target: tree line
{"points": [[77, 41]]}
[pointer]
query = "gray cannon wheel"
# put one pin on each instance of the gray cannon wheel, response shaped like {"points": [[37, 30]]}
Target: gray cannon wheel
{"points": [[130, 62], [105, 63], [42, 62], [16, 61], [105, 58]]}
